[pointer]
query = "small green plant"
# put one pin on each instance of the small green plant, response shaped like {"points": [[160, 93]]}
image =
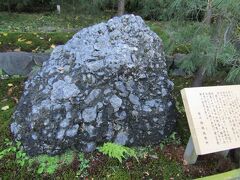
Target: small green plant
{"points": [[21, 156], [146, 151], [172, 139], [49, 164], [15, 148], [117, 151], [84, 164]]}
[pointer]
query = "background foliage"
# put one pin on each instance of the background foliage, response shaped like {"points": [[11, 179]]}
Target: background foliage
{"points": [[149, 9], [208, 46]]}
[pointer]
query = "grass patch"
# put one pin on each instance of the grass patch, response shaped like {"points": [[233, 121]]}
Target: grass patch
{"points": [[46, 22]]}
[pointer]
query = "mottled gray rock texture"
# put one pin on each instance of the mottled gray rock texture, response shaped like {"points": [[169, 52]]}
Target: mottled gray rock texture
{"points": [[108, 83]]}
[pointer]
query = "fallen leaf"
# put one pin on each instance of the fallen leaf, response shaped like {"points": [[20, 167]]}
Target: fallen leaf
{"points": [[146, 173], [34, 50], [10, 91], [21, 40], [153, 156], [53, 46], [4, 100], [15, 99], [4, 108], [5, 34], [185, 162], [29, 42], [17, 50]]}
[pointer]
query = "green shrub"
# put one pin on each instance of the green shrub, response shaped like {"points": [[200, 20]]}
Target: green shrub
{"points": [[93, 7], [27, 5], [167, 9], [150, 9]]}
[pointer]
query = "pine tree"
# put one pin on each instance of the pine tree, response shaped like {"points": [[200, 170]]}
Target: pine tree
{"points": [[212, 42]]}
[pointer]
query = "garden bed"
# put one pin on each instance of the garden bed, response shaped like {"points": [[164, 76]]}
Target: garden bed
{"points": [[41, 33], [164, 161]]}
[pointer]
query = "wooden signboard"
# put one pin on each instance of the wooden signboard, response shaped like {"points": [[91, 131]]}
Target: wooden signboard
{"points": [[213, 115]]}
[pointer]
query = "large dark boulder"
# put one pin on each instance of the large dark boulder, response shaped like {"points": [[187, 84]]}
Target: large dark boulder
{"points": [[108, 83]]}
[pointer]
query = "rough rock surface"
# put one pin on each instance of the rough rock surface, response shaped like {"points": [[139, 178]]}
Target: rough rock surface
{"points": [[108, 83]]}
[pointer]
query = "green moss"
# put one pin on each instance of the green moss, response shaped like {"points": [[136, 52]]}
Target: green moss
{"points": [[32, 42], [182, 124], [155, 168], [9, 169], [46, 22], [6, 100], [181, 48]]}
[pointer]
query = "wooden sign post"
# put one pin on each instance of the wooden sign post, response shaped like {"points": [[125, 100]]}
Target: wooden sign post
{"points": [[213, 115]]}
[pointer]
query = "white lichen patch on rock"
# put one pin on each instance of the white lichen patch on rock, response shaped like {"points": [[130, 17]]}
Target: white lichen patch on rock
{"points": [[63, 90]]}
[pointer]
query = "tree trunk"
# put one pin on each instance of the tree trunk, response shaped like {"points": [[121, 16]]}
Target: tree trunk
{"points": [[9, 6], [121, 7], [199, 77], [200, 74], [208, 15], [58, 7]]}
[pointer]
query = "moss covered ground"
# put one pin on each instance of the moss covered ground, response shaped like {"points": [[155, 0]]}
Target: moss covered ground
{"points": [[156, 166], [41, 32], [32, 42], [46, 22], [163, 161]]}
